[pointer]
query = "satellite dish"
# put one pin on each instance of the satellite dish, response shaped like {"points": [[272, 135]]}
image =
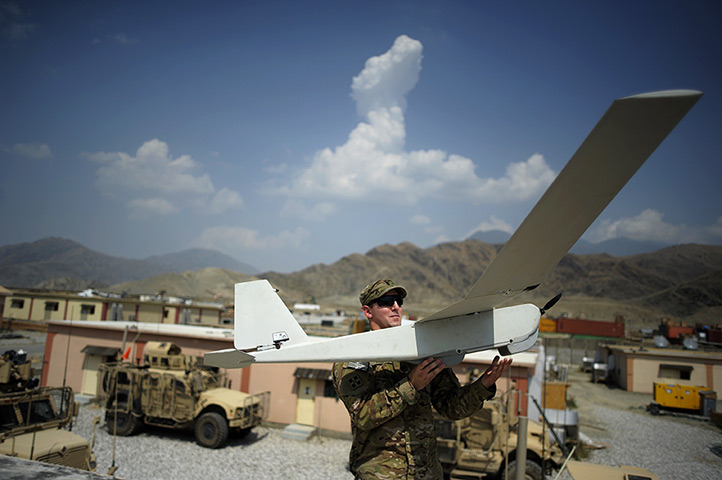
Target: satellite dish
{"points": [[690, 343], [660, 341]]}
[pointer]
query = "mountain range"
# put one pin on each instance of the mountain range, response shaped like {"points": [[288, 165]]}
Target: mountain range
{"points": [[679, 282], [616, 247], [58, 263]]}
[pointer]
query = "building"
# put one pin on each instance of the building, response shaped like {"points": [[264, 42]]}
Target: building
{"points": [[4, 293], [300, 393], [636, 368], [38, 307]]}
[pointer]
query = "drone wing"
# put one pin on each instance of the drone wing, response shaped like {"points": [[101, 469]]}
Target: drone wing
{"points": [[628, 133]]}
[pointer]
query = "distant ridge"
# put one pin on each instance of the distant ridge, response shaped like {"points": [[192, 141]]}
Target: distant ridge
{"points": [[59, 263], [616, 247], [197, 258]]}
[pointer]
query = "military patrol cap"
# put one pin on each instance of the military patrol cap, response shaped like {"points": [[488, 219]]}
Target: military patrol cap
{"points": [[378, 289]]}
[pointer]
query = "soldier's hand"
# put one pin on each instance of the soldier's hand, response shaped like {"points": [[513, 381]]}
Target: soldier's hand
{"points": [[495, 371], [423, 373]]}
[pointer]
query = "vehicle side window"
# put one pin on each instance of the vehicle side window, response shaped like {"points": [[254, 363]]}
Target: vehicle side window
{"points": [[8, 418], [40, 411]]}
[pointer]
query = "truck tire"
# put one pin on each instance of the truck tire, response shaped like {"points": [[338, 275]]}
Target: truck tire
{"points": [[123, 424], [533, 471], [211, 430]]}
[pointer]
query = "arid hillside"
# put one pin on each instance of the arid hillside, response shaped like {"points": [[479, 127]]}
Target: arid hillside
{"points": [[683, 282]]}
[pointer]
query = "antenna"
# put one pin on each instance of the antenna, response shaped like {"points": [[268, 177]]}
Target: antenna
{"points": [[67, 348]]}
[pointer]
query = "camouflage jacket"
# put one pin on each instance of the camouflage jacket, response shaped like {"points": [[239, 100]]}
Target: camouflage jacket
{"points": [[392, 423]]}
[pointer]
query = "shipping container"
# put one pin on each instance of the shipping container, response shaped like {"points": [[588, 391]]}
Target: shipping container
{"points": [[548, 325], [596, 328]]}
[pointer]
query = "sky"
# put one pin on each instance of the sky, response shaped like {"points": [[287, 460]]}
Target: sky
{"points": [[289, 133]]}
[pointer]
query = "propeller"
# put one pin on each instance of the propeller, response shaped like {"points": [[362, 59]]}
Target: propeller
{"points": [[550, 304]]}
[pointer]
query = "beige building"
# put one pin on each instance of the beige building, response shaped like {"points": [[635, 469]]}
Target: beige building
{"points": [[300, 393], [35, 306], [636, 368]]}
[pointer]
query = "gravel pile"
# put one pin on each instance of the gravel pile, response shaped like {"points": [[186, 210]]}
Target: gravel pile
{"points": [[157, 453]]}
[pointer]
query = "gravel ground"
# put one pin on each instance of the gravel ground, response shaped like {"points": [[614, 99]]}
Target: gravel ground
{"points": [[157, 453], [672, 447]]}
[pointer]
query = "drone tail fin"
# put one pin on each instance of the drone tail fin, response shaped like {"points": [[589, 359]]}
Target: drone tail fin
{"points": [[262, 320]]}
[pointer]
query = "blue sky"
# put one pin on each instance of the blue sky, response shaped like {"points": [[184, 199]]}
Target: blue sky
{"points": [[292, 133]]}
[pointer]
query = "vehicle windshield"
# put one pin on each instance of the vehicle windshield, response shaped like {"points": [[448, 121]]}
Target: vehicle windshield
{"points": [[27, 410]]}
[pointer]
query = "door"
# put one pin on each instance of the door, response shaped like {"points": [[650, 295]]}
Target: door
{"points": [[306, 406], [152, 395], [90, 374]]}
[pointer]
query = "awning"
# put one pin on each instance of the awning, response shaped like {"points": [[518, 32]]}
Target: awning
{"points": [[317, 373], [102, 351]]}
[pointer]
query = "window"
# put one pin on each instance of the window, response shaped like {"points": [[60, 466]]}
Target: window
{"points": [[329, 390], [8, 418], [40, 411], [87, 309], [679, 372], [17, 303], [51, 306]]}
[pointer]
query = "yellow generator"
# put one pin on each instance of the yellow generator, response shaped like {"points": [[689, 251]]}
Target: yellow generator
{"points": [[690, 398]]}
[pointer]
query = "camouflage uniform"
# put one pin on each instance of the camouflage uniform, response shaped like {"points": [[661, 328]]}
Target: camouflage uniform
{"points": [[392, 423]]}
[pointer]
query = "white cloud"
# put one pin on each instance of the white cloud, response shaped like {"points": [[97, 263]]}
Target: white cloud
{"points": [[237, 240], [386, 79], [152, 171], [295, 208], [648, 225], [442, 239], [34, 151], [373, 163], [142, 208], [225, 200], [715, 230], [419, 219], [492, 224]]}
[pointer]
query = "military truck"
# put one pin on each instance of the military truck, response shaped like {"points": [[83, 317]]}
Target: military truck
{"points": [[176, 391], [485, 444], [33, 419]]}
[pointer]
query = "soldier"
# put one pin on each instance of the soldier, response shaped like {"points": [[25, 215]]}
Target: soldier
{"points": [[390, 402]]}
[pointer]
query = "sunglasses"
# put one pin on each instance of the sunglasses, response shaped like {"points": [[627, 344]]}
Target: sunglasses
{"points": [[388, 300]]}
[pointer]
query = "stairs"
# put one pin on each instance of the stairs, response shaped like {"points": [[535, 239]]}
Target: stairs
{"points": [[298, 432]]}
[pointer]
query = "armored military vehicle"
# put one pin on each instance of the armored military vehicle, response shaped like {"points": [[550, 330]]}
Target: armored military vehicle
{"points": [[176, 391], [33, 419], [482, 445]]}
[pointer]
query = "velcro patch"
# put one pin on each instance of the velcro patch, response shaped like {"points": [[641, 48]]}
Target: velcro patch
{"points": [[355, 383]]}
